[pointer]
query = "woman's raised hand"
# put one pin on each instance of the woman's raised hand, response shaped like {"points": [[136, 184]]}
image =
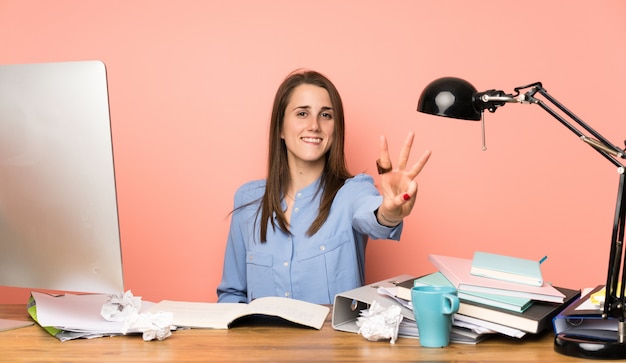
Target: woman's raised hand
{"points": [[398, 185]]}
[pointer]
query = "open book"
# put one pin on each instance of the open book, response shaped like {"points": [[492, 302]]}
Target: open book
{"points": [[222, 315]]}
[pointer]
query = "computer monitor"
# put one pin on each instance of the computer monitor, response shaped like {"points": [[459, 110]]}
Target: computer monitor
{"points": [[59, 227]]}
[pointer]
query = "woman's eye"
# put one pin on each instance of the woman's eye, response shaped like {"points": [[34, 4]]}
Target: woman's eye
{"points": [[301, 114], [327, 115]]}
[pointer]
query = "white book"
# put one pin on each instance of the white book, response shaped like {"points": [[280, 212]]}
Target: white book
{"points": [[498, 328], [222, 315]]}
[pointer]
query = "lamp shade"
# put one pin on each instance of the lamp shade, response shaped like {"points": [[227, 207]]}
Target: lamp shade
{"points": [[449, 97]]}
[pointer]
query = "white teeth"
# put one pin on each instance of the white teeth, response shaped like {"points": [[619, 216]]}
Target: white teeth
{"points": [[311, 139]]}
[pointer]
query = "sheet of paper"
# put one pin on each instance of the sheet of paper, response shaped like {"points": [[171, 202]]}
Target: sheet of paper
{"points": [[77, 312]]}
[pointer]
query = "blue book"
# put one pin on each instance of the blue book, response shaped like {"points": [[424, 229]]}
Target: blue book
{"points": [[507, 268], [511, 303]]}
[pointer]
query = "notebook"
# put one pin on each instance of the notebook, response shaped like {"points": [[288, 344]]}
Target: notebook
{"points": [[457, 271], [507, 268]]}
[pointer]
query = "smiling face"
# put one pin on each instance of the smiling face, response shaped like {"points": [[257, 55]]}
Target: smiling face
{"points": [[308, 126]]}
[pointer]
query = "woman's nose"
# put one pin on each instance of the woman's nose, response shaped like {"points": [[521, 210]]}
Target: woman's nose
{"points": [[314, 124]]}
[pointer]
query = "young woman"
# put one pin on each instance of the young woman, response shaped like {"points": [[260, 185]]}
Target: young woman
{"points": [[302, 232]]}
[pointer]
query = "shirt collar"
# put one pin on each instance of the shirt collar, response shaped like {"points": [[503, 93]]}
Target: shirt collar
{"points": [[310, 190]]}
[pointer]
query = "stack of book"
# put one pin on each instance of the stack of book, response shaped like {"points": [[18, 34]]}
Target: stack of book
{"points": [[496, 301]]}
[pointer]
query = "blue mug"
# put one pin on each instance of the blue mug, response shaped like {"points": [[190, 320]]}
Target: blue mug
{"points": [[433, 307]]}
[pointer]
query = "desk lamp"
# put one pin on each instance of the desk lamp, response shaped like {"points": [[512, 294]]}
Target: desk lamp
{"points": [[456, 98]]}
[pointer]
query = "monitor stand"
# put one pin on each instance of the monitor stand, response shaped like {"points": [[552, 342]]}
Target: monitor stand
{"points": [[9, 324]]}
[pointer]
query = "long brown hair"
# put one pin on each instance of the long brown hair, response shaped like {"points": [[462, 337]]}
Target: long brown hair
{"points": [[335, 170]]}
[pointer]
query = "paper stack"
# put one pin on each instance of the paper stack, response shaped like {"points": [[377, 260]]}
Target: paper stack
{"points": [[72, 316]]}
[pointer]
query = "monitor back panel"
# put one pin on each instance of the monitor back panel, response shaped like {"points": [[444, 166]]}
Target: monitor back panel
{"points": [[59, 224]]}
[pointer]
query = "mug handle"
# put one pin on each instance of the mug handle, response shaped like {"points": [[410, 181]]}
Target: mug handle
{"points": [[451, 304]]}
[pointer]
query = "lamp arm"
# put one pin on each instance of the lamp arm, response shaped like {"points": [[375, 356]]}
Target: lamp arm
{"points": [[600, 144], [605, 149], [614, 303], [614, 297], [492, 99]]}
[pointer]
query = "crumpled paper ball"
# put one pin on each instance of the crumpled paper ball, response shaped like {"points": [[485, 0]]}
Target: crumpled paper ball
{"points": [[152, 325], [125, 308], [378, 323], [121, 307]]}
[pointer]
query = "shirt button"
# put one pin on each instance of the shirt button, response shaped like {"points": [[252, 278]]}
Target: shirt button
{"points": [[285, 263], [299, 195], [322, 248], [296, 210], [287, 294]]}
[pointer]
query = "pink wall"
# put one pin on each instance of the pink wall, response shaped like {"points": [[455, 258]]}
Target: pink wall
{"points": [[191, 84]]}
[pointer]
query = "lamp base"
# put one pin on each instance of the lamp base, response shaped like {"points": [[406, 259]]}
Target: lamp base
{"points": [[580, 347]]}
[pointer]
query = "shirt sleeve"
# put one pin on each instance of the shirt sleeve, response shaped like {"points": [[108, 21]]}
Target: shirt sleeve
{"points": [[367, 200], [233, 287]]}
